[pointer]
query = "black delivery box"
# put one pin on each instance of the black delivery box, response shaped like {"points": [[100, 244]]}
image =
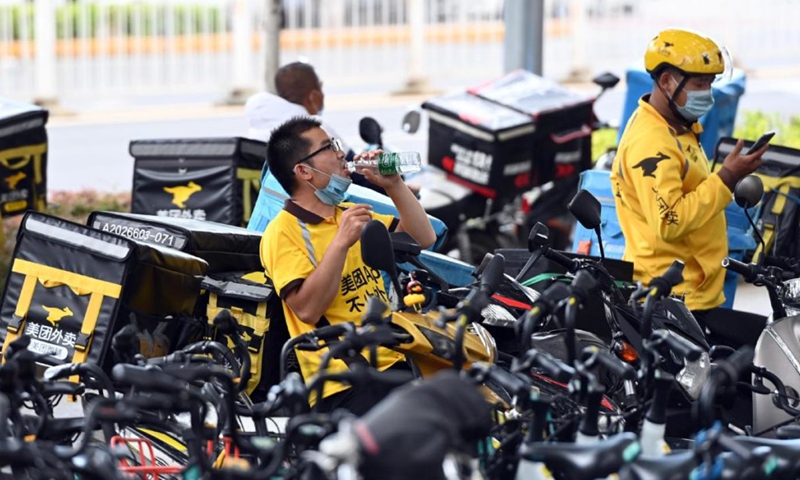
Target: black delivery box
{"points": [[506, 136], [71, 288], [226, 248], [23, 157], [235, 280], [216, 179], [779, 220]]}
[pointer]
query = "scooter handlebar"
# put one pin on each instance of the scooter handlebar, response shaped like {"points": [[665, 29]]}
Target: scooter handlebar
{"points": [[613, 364], [680, 347], [554, 368], [510, 382], [571, 265], [493, 274], [741, 359], [747, 270], [673, 276], [332, 332], [147, 379]]}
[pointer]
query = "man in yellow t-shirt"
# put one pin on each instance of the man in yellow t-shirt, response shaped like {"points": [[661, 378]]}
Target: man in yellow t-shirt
{"points": [[670, 205], [312, 251]]}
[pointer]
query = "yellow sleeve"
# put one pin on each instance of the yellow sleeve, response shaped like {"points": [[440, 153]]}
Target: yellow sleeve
{"points": [[656, 171], [390, 221], [284, 257]]}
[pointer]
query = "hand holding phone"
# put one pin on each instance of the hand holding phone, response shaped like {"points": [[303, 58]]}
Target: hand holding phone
{"points": [[763, 140]]}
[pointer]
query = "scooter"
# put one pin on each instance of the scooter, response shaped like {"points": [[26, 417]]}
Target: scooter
{"points": [[428, 342], [433, 337], [777, 352]]}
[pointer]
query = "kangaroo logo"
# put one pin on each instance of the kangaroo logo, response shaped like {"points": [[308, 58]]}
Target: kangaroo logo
{"points": [[54, 315], [650, 164], [13, 180], [181, 193]]}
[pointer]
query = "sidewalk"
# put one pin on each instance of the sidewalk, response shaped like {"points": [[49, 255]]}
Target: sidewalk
{"points": [[180, 111], [137, 109]]}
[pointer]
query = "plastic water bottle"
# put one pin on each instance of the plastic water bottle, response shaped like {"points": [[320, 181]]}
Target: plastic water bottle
{"points": [[390, 163]]}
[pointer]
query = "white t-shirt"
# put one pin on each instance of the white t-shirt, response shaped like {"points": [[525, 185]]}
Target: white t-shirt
{"points": [[266, 111]]}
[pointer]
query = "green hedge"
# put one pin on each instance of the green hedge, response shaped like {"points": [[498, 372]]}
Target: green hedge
{"points": [[602, 141], [753, 124], [750, 126], [187, 18], [73, 206]]}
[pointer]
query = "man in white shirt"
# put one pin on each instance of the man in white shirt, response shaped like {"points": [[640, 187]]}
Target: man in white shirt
{"points": [[299, 94]]}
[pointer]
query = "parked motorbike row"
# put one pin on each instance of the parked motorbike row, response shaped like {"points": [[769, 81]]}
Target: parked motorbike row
{"points": [[505, 381]]}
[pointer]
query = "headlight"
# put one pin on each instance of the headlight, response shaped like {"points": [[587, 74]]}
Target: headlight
{"points": [[693, 375], [486, 339], [498, 316], [791, 291], [532, 294], [443, 346]]}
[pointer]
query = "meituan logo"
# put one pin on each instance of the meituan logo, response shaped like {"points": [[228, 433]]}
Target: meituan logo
{"points": [[181, 193], [54, 315]]}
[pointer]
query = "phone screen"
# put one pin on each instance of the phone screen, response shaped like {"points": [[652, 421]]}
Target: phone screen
{"points": [[764, 139]]}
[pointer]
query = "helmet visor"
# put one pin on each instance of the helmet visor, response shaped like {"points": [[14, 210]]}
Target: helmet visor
{"points": [[727, 62]]}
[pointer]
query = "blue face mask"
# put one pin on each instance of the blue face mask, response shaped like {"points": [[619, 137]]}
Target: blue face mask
{"points": [[334, 193], [698, 103]]}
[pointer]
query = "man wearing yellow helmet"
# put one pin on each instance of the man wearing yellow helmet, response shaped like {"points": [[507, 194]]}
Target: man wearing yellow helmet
{"points": [[670, 205]]}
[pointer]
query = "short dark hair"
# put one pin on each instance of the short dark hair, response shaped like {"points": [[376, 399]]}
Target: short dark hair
{"points": [[672, 70], [286, 147], [294, 80]]}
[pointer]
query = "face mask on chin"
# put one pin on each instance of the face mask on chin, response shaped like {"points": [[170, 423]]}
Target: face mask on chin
{"points": [[335, 191], [698, 103]]}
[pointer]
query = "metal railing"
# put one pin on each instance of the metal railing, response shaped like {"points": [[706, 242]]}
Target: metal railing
{"points": [[613, 34], [56, 49]]}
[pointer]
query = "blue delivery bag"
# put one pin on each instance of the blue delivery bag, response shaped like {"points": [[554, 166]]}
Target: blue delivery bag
{"points": [[597, 183]]}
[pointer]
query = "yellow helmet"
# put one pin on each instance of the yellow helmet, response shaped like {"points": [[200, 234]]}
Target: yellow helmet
{"points": [[689, 52]]}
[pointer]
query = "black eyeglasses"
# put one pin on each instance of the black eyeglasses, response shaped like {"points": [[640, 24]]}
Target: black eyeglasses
{"points": [[335, 145]]}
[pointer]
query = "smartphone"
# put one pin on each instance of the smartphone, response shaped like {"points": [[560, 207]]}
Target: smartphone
{"points": [[761, 142]]}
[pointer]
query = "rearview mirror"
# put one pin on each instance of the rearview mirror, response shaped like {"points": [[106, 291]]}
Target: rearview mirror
{"points": [[411, 121], [376, 248], [377, 251], [586, 209], [748, 191], [370, 131], [606, 80], [539, 237]]}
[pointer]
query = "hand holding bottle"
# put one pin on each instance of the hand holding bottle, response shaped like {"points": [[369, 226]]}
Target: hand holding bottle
{"points": [[367, 164], [385, 163]]}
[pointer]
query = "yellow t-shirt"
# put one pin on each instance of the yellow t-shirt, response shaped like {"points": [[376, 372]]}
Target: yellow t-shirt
{"points": [[293, 244], [670, 206]]}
